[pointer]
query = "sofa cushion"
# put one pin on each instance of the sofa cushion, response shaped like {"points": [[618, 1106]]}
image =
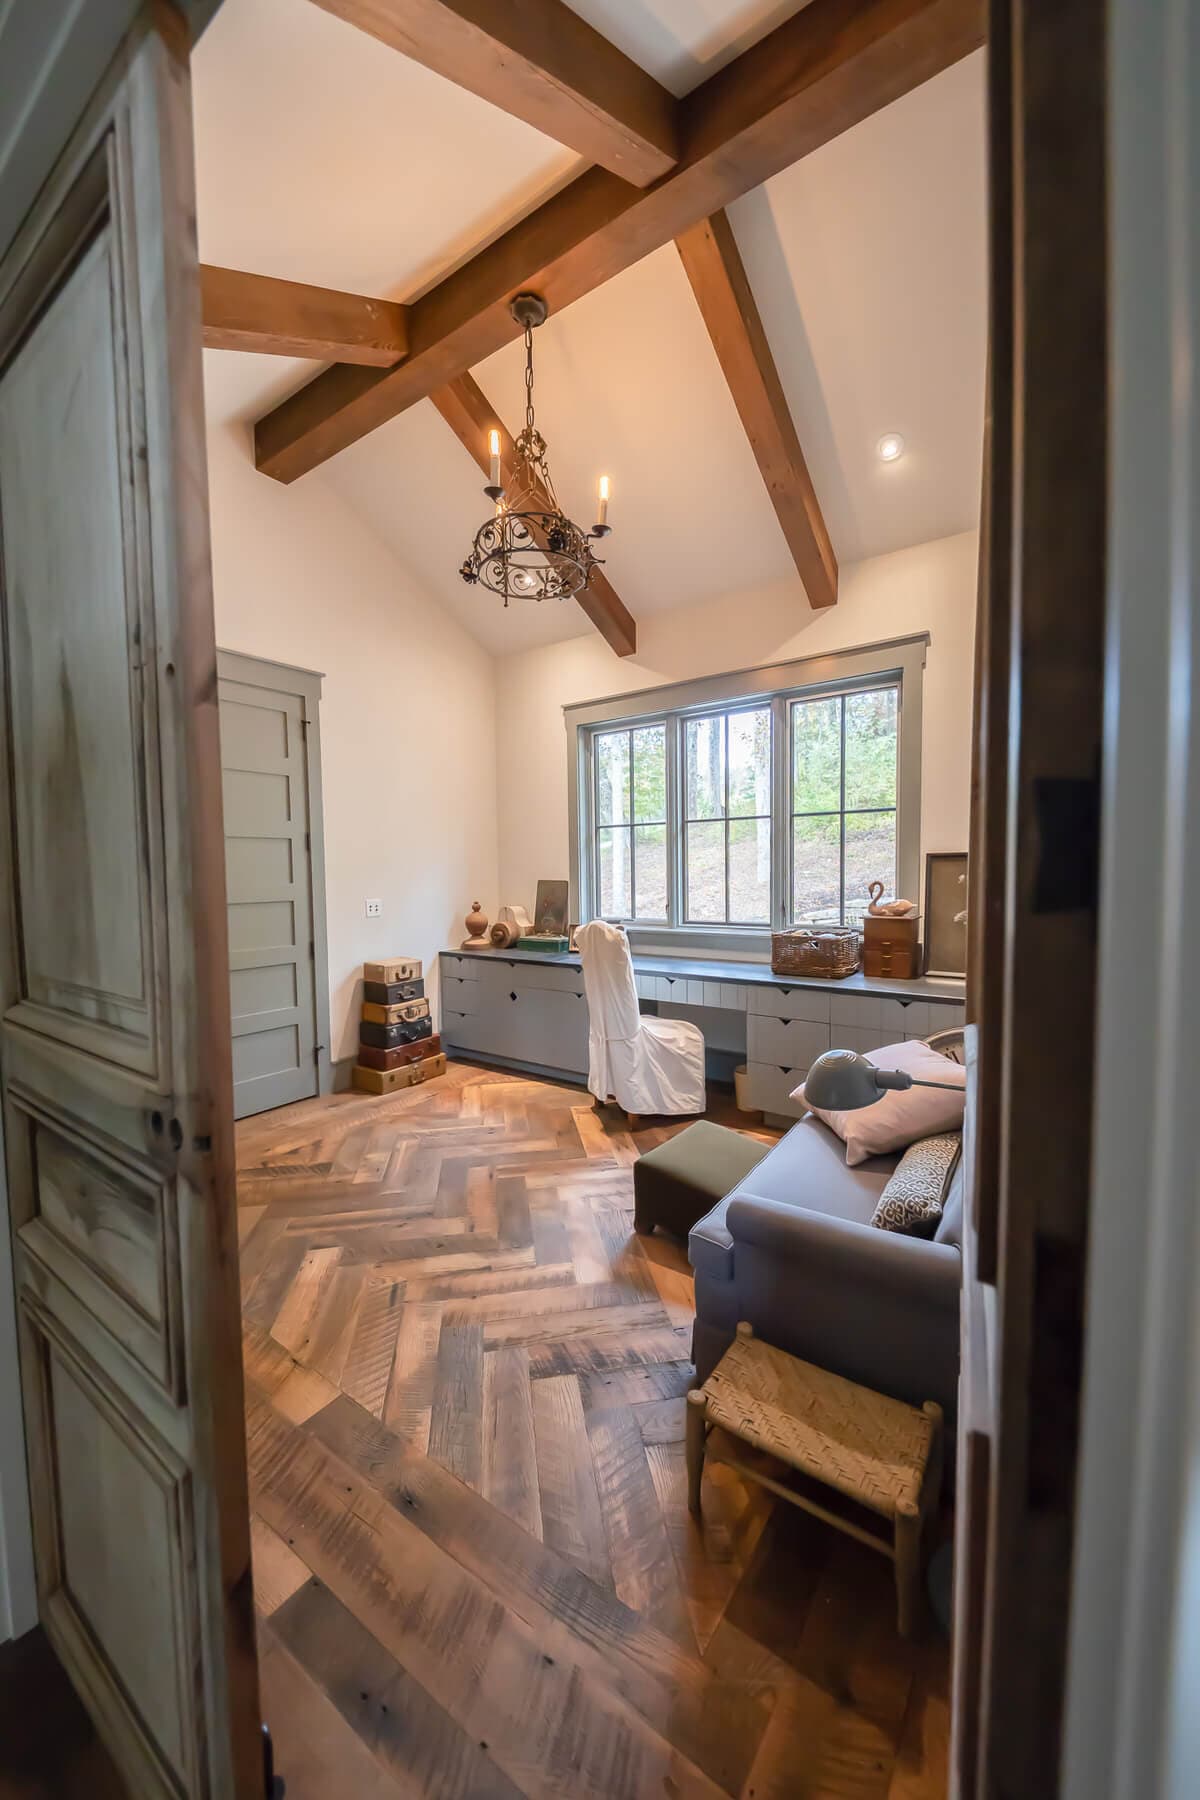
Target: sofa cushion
{"points": [[900, 1116], [915, 1195], [808, 1169], [950, 1229]]}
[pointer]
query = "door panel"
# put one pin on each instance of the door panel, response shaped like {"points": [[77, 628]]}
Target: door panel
{"points": [[269, 886], [74, 620], [114, 1025]]}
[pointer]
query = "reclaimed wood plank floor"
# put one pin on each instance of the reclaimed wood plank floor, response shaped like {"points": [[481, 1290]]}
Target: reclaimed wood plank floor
{"points": [[475, 1570]]}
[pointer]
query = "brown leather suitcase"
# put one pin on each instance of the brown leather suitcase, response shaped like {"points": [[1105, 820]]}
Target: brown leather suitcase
{"points": [[395, 1015], [404, 1053], [390, 993], [386, 1081]]}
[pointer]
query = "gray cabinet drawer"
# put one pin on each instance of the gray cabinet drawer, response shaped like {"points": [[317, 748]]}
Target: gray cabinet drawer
{"points": [[549, 1028], [793, 1042], [465, 968], [548, 977], [531, 1025], [791, 1003], [461, 1031], [770, 1088], [459, 996]]}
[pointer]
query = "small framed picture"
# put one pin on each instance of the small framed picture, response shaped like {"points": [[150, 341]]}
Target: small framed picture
{"points": [[550, 910], [946, 913]]}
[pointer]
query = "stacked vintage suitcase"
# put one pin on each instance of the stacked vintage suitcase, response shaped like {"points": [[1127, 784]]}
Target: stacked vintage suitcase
{"points": [[396, 1045]]}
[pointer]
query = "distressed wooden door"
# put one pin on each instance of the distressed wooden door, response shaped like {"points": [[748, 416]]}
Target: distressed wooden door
{"points": [[114, 1000]]}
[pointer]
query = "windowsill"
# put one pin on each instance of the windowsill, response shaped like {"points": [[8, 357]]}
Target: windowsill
{"points": [[744, 943]]}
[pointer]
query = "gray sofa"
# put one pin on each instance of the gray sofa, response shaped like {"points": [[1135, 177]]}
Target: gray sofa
{"points": [[791, 1249]]}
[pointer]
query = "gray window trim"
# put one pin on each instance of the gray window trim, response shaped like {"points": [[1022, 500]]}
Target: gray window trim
{"points": [[305, 684], [838, 672]]}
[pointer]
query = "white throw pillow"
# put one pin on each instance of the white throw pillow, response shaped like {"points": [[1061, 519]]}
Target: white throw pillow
{"points": [[899, 1118]]}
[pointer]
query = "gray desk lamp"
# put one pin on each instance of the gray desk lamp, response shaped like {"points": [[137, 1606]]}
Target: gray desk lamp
{"points": [[842, 1081]]}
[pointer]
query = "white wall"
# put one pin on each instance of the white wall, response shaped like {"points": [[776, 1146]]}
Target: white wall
{"points": [[930, 587], [407, 712]]}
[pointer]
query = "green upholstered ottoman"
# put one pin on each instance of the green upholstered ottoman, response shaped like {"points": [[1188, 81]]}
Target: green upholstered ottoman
{"points": [[681, 1180]]}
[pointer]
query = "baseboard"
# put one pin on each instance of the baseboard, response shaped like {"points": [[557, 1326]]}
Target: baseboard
{"points": [[569, 1077]]}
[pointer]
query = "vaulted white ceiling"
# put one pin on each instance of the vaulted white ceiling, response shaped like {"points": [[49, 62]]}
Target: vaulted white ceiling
{"points": [[322, 156]]}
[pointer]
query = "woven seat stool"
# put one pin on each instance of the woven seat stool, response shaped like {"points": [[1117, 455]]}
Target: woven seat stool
{"points": [[877, 1453]]}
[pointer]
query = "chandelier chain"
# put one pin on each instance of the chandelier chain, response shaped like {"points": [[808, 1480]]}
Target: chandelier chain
{"points": [[529, 378]]}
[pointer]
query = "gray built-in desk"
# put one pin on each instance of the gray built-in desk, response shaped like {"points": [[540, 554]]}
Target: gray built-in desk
{"points": [[528, 1010]]}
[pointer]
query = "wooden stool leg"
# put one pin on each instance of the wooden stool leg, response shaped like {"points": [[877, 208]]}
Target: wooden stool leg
{"points": [[908, 1565], [934, 1470], [697, 1408]]}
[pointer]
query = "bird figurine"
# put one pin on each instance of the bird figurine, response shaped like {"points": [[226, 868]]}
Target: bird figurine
{"points": [[890, 909]]}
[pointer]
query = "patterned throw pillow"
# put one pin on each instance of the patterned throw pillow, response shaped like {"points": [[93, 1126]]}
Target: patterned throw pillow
{"points": [[912, 1200]]}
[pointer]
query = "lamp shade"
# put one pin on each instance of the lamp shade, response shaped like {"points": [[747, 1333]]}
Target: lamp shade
{"points": [[842, 1081]]}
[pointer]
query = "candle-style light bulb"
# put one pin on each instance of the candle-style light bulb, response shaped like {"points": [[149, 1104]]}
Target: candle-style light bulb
{"points": [[494, 448], [602, 508]]}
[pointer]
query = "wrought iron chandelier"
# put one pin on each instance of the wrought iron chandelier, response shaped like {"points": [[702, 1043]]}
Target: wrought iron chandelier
{"points": [[530, 550]]}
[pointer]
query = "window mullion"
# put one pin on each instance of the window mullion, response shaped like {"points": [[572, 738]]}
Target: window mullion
{"points": [[629, 815], [725, 801], [781, 811], [842, 812], [675, 832]]}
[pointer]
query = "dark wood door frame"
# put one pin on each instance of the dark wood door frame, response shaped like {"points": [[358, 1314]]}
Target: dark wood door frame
{"points": [[1034, 898]]}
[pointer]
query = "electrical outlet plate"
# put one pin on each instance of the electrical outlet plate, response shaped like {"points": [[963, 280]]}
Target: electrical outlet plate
{"points": [[374, 909]]}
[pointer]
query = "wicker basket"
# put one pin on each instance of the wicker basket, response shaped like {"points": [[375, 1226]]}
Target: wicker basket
{"points": [[830, 951]]}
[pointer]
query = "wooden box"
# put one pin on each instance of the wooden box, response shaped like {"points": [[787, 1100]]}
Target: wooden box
{"points": [[390, 993], [387, 1037], [386, 1081], [395, 1015], [891, 948], [371, 1058], [400, 968]]}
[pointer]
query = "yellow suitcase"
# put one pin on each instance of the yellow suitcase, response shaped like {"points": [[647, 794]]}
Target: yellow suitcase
{"points": [[386, 1081]]}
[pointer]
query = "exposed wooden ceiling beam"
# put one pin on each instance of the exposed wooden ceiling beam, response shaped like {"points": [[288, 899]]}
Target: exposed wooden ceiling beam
{"points": [[540, 61], [469, 415], [832, 65], [726, 300], [288, 318]]}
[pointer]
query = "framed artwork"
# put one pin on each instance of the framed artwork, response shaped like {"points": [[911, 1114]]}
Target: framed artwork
{"points": [[946, 913], [550, 910]]}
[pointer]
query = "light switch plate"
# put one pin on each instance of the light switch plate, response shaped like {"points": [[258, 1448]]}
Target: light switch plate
{"points": [[374, 909]]}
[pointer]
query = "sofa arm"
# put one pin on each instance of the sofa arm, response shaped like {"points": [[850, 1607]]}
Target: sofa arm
{"points": [[841, 1249], [876, 1306]]}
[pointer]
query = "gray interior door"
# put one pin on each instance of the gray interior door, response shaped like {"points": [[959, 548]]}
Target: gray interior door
{"points": [[269, 882]]}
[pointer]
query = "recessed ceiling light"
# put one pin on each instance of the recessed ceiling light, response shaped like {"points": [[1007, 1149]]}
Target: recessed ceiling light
{"points": [[890, 446]]}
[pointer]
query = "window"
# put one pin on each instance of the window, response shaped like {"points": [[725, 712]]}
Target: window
{"points": [[723, 815], [727, 818], [843, 782], [631, 822]]}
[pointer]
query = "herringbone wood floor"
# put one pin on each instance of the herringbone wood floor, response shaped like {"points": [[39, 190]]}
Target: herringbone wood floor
{"points": [[474, 1566]]}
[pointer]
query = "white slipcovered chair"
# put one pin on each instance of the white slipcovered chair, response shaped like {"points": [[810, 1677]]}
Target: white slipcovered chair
{"points": [[646, 1065]]}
